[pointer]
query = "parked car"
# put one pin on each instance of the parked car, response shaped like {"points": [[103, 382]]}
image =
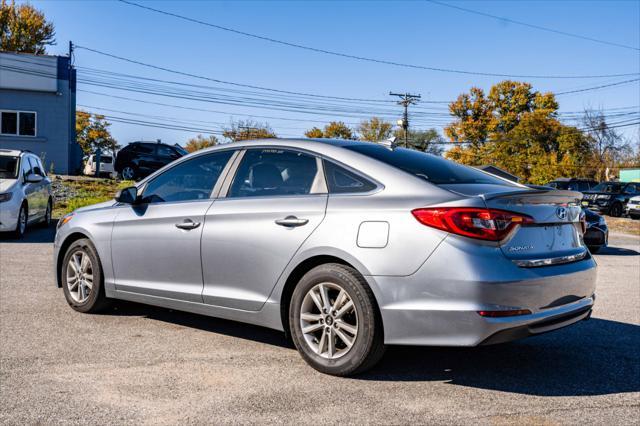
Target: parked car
{"points": [[348, 246], [139, 159], [610, 197], [25, 192], [596, 234], [633, 207], [573, 184], [106, 165]]}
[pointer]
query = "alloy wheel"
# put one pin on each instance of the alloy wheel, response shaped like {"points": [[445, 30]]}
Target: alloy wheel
{"points": [[128, 173], [80, 276], [329, 320], [22, 221]]}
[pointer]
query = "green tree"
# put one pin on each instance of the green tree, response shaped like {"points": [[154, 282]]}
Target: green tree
{"points": [[92, 132], [200, 142], [472, 114], [429, 140], [248, 129], [24, 28], [375, 129]]}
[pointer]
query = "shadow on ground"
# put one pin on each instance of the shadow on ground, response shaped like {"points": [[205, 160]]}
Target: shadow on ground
{"points": [[617, 251], [35, 234], [595, 357]]}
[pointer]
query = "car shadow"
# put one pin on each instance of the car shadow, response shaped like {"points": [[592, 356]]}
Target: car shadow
{"points": [[595, 357], [35, 234], [201, 322], [617, 251]]}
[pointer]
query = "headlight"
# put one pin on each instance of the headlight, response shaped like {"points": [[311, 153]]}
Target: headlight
{"points": [[603, 197], [64, 219], [5, 196]]}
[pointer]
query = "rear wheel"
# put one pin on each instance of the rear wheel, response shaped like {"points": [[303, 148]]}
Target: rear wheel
{"points": [[616, 210], [334, 321], [82, 279], [129, 172], [46, 220]]}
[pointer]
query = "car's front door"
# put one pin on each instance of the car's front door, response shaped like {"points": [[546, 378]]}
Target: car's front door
{"points": [[156, 242], [30, 189], [275, 201]]}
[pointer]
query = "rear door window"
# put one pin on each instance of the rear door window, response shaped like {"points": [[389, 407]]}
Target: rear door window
{"points": [[274, 172], [429, 167], [342, 181]]}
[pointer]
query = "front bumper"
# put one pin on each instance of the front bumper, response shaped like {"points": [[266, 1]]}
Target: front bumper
{"points": [[9, 211], [633, 210], [601, 206], [439, 304]]}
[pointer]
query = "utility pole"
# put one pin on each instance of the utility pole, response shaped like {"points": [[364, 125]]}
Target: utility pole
{"points": [[406, 99]]}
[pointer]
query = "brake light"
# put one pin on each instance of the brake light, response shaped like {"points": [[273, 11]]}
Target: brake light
{"points": [[483, 224]]}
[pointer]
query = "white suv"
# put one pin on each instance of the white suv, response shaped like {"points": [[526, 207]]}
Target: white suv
{"points": [[25, 192]]}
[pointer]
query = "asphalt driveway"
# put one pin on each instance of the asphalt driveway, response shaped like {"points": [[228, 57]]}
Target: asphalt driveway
{"points": [[139, 364]]}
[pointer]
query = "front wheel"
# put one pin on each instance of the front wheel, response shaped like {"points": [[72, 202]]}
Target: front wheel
{"points": [[21, 225], [82, 280], [46, 220], [334, 321]]}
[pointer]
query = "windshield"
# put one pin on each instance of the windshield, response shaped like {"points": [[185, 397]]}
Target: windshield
{"points": [[429, 167], [9, 167], [181, 150], [607, 187]]}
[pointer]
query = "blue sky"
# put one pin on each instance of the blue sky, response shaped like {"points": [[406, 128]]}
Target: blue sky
{"points": [[414, 32]]}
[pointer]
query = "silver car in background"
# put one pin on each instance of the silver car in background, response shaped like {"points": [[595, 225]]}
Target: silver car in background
{"points": [[346, 246]]}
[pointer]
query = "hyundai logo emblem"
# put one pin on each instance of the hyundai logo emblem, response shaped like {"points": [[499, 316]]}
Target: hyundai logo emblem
{"points": [[561, 212]]}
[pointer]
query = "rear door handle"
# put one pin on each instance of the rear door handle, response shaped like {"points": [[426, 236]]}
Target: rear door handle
{"points": [[188, 225], [292, 221]]}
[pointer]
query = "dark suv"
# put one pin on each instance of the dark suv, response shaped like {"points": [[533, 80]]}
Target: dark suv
{"points": [[610, 197], [573, 184], [139, 159]]}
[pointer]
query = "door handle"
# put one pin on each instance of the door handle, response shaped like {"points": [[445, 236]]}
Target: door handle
{"points": [[292, 221], [188, 225]]}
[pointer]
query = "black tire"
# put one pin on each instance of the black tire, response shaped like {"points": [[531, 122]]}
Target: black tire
{"points": [[634, 217], [21, 228], [594, 249], [46, 221], [126, 169], [616, 210], [96, 300], [368, 346]]}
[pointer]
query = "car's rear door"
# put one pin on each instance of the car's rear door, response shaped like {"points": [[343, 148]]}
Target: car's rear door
{"points": [[274, 202], [156, 243]]}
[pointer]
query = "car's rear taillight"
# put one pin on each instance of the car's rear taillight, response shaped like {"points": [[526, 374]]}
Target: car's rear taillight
{"points": [[483, 224]]}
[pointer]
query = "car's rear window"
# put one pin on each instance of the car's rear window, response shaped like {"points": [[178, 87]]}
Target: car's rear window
{"points": [[432, 168]]}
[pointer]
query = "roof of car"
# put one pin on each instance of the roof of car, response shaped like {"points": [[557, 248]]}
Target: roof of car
{"points": [[11, 152], [564, 179]]}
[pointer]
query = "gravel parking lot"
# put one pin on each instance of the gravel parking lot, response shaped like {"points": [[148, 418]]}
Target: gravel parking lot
{"points": [[139, 364]]}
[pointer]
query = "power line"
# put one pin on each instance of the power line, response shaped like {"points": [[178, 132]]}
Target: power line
{"points": [[363, 58], [537, 27], [588, 89]]}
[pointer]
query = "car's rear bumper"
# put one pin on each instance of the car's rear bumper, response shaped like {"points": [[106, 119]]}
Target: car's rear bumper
{"points": [[439, 304]]}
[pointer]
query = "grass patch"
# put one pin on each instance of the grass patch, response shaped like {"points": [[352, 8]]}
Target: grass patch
{"points": [[71, 194], [624, 225]]}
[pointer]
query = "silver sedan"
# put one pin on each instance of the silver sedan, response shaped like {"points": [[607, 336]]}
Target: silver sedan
{"points": [[346, 246]]}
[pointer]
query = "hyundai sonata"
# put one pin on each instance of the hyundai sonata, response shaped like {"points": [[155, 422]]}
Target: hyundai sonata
{"points": [[346, 246]]}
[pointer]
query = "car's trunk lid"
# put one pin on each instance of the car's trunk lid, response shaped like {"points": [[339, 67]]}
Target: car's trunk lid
{"points": [[556, 231]]}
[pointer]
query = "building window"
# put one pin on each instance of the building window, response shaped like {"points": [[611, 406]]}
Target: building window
{"points": [[19, 123]]}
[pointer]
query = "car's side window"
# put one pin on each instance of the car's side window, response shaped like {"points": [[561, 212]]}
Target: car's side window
{"points": [[341, 180], [274, 172], [166, 151], [145, 148], [190, 180], [631, 189], [35, 166]]}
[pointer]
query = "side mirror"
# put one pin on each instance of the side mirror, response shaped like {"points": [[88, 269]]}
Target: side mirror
{"points": [[127, 195], [33, 178]]}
